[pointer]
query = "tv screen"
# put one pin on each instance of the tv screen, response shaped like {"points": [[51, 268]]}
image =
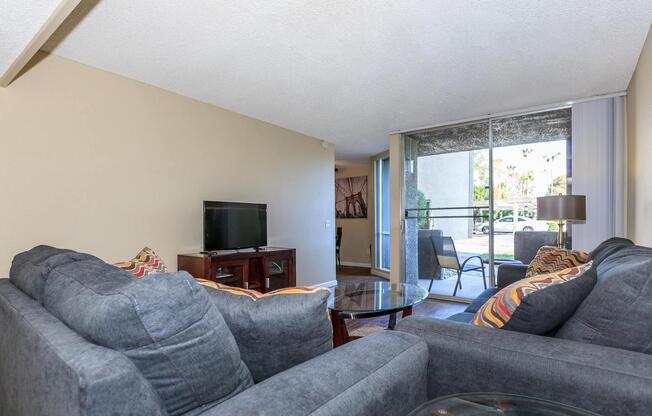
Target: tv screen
{"points": [[234, 225]]}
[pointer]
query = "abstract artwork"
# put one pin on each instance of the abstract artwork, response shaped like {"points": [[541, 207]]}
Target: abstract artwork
{"points": [[351, 197]]}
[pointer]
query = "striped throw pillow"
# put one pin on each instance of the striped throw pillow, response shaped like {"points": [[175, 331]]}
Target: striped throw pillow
{"points": [[552, 259], [537, 304], [146, 262], [254, 294]]}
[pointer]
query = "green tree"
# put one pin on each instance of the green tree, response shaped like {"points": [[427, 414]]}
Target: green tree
{"points": [[480, 193], [422, 215], [558, 186], [551, 157], [480, 176], [524, 182]]}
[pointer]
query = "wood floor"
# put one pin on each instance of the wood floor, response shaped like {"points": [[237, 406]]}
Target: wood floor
{"points": [[429, 307]]}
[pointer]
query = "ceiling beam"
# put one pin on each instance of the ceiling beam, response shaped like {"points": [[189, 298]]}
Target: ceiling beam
{"points": [[51, 24]]}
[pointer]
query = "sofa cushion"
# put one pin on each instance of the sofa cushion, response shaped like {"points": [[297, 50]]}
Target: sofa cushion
{"points": [[168, 327], [464, 317], [277, 330], [607, 248], [384, 373], [145, 262], [552, 259], [481, 300], [618, 311], [537, 304], [30, 269]]}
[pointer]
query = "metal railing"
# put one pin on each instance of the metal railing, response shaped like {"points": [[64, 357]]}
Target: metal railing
{"points": [[409, 210]]}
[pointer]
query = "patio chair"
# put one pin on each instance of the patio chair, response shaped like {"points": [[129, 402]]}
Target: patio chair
{"points": [[527, 243], [447, 258]]}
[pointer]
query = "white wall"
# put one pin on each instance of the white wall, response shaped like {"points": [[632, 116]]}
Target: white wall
{"points": [[447, 181], [639, 149], [103, 164]]}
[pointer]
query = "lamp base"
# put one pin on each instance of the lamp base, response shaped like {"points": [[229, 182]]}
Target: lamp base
{"points": [[560, 236]]}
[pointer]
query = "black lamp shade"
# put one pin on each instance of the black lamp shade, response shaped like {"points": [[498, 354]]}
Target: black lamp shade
{"points": [[561, 207]]}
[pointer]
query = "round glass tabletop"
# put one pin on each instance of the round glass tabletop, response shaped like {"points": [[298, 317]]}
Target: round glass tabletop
{"points": [[495, 404], [368, 299]]}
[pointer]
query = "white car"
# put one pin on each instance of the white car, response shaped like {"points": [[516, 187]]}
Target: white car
{"points": [[506, 225]]}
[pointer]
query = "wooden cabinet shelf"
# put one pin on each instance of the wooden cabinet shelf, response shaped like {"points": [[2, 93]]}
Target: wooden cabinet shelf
{"points": [[265, 270]]}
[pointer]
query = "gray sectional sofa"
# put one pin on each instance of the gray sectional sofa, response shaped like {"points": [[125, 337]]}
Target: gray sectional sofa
{"points": [[57, 301], [599, 359]]}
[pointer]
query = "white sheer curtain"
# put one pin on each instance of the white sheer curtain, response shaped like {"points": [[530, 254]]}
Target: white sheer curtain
{"points": [[599, 169]]}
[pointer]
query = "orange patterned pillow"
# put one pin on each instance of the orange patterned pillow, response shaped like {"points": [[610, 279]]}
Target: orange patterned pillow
{"points": [[254, 294], [552, 259], [537, 304], [146, 262]]}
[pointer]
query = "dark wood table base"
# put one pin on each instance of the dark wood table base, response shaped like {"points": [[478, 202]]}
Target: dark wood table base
{"points": [[341, 334]]}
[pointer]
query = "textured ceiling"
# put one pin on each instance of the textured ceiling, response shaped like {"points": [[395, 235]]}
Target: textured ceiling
{"points": [[19, 22], [350, 72]]}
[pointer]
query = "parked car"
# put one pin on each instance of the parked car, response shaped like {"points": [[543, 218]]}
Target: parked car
{"points": [[506, 225]]}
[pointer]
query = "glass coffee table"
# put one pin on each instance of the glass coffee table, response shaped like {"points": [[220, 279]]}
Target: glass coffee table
{"points": [[495, 404], [353, 300]]}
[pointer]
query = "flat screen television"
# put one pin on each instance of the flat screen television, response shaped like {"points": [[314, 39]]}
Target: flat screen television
{"points": [[234, 225]]}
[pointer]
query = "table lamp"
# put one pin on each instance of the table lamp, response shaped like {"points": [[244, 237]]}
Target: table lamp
{"points": [[561, 208]]}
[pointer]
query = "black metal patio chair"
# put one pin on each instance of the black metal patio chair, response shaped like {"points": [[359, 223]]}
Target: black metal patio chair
{"points": [[447, 258]]}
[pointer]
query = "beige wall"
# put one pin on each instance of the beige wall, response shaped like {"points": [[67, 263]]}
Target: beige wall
{"points": [[357, 234], [103, 164], [639, 149]]}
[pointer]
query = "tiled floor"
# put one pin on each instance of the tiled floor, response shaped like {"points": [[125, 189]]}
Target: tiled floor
{"points": [[471, 285]]}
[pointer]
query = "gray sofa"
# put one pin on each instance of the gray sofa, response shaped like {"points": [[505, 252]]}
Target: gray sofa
{"points": [[599, 359], [47, 368]]}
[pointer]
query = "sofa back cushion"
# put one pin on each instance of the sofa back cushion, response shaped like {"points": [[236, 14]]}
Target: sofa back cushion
{"points": [[607, 248], [277, 330], [168, 327], [618, 311], [30, 269]]}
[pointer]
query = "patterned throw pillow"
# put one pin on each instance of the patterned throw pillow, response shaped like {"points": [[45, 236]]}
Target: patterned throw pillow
{"points": [[146, 262], [276, 330], [537, 304], [553, 259], [256, 295]]}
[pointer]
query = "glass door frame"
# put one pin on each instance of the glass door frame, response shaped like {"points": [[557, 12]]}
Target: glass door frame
{"points": [[378, 260], [491, 278], [490, 119]]}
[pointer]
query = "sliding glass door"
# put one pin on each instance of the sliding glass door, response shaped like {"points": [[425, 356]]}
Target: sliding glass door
{"points": [[470, 193]]}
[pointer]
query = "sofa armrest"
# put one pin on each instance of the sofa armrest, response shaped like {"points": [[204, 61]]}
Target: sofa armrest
{"points": [[467, 358], [380, 374], [48, 369], [509, 273]]}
